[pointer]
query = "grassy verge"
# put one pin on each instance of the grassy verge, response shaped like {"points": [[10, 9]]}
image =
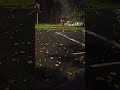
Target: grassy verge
{"points": [[56, 27]]}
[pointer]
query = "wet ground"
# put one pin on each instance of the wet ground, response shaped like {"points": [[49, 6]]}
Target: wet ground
{"points": [[102, 48], [60, 59], [16, 49], [102, 63]]}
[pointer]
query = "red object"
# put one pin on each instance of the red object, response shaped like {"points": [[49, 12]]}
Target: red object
{"points": [[37, 6]]}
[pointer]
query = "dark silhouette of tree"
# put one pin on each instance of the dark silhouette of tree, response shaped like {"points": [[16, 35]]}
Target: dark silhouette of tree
{"points": [[56, 11], [51, 10], [103, 3]]}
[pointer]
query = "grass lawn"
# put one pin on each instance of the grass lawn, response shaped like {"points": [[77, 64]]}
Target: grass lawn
{"points": [[56, 27]]}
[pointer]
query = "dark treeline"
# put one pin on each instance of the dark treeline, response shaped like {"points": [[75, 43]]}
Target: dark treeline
{"points": [[50, 11]]}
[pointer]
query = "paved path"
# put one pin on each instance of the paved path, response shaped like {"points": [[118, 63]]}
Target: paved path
{"points": [[64, 51]]}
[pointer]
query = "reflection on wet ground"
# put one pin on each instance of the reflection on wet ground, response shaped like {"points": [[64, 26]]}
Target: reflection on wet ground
{"points": [[59, 59]]}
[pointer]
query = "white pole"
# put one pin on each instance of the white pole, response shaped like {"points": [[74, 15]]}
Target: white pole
{"points": [[37, 18]]}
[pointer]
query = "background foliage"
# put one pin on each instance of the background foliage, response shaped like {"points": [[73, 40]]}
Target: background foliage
{"points": [[76, 9], [103, 3], [17, 3]]}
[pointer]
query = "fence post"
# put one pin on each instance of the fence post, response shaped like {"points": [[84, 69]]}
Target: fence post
{"points": [[37, 18]]}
